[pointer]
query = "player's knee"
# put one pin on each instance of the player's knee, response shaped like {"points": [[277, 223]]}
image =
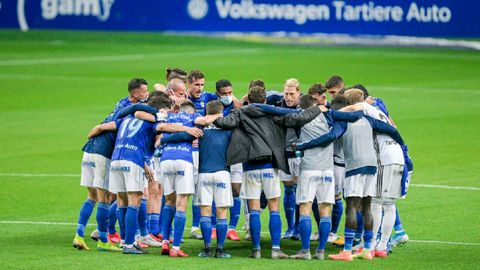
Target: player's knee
{"points": [[221, 212], [92, 194], [305, 209], [273, 204], [325, 209]]}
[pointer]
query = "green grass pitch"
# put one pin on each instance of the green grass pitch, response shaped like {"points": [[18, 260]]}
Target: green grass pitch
{"points": [[56, 85]]}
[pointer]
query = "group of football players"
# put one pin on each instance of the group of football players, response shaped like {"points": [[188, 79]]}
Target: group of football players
{"points": [[157, 149]]}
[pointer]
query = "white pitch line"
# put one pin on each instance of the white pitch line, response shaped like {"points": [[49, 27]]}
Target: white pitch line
{"points": [[13, 222], [127, 57], [445, 187], [41, 174], [443, 242]]}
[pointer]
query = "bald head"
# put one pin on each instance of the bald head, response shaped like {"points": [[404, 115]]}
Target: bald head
{"points": [[177, 88]]}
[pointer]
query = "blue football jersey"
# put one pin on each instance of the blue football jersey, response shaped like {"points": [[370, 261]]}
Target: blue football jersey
{"points": [[213, 150], [122, 103], [201, 102], [378, 103], [228, 108], [135, 140], [104, 143], [182, 150]]}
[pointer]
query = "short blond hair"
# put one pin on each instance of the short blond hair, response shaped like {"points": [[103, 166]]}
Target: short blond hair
{"points": [[354, 96], [292, 82]]}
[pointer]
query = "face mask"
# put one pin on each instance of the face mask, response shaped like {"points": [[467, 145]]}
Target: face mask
{"points": [[143, 100], [226, 100]]}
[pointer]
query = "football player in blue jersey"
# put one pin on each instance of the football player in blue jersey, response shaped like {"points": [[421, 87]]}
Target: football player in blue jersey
{"points": [[224, 91], [177, 177], [95, 169], [133, 144], [199, 98], [175, 88], [214, 183]]}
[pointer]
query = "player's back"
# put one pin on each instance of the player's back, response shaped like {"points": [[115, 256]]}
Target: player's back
{"points": [[389, 151], [358, 145], [135, 139], [182, 150], [213, 150], [104, 143], [317, 158]]}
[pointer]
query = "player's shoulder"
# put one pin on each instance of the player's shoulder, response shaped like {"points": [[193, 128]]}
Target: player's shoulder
{"points": [[122, 103]]}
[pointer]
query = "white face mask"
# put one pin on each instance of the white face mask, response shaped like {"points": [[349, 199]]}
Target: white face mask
{"points": [[226, 100]]}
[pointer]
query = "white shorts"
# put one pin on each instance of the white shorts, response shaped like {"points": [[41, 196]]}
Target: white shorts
{"points": [[126, 176], [95, 171], [339, 175], [257, 180], [389, 182], [294, 166], [360, 185], [157, 174], [236, 173], [316, 184], [177, 176], [214, 187], [196, 161]]}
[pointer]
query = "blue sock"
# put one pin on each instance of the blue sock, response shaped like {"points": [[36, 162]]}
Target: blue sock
{"points": [[337, 215], [160, 221], [121, 214], [275, 227], [305, 228], [149, 218], [255, 228], [398, 227], [131, 224], [297, 218], [349, 234], [315, 212], [235, 212], [222, 228], [367, 239], [323, 231], [206, 227], [142, 218], [359, 230], [85, 213], [289, 206], [112, 217], [154, 218], [168, 213], [195, 214], [214, 215], [102, 221], [178, 227]]}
